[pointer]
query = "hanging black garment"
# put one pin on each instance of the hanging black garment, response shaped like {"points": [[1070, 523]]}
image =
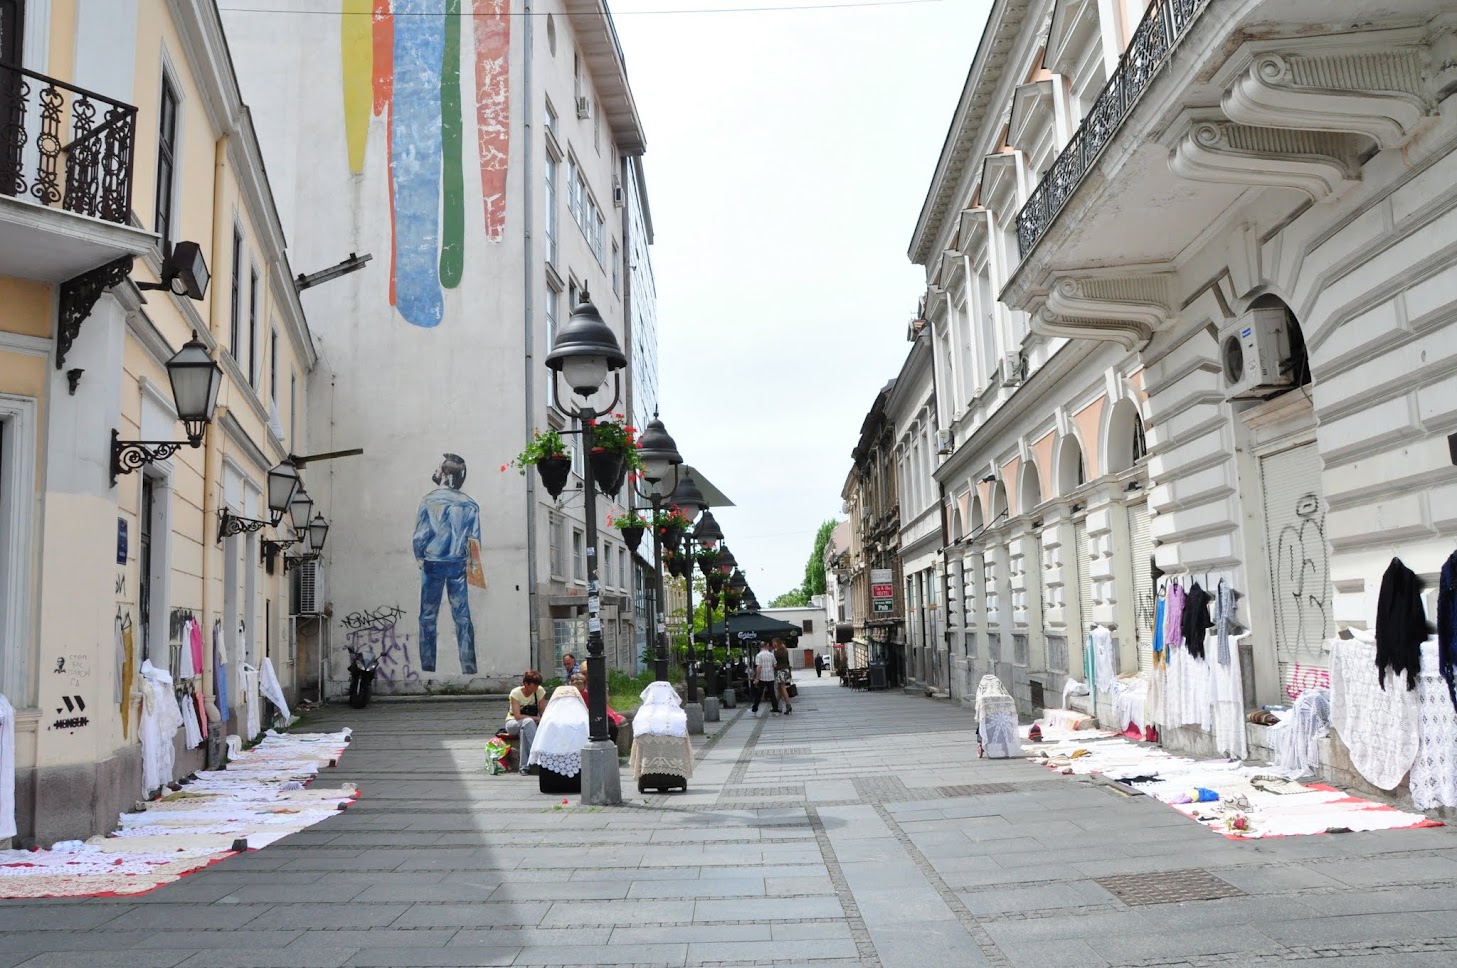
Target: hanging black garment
{"points": [[1447, 624], [1196, 620], [1401, 624]]}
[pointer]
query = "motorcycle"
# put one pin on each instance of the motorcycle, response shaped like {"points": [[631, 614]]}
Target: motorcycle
{"points": [[363, 664]]}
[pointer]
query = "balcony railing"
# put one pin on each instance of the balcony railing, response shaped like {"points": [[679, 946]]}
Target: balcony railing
{"points": [[65, 147], [1164, 24]]}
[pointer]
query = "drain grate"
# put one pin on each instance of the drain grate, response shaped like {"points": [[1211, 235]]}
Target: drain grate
{"points": [[790, 790], [979, 789], [780, 751], [1168, 887]]}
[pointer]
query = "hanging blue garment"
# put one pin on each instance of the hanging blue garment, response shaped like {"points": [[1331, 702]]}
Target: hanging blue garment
{"points": [[1158, 632], [1447, 624]]}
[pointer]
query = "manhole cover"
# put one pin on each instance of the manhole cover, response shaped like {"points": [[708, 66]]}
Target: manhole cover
{"points": [[792, 790], [782, 751], [978, 789], [1168, 887]]}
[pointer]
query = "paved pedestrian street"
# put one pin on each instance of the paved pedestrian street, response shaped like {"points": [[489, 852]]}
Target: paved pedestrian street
{"points": [[860, 831]]}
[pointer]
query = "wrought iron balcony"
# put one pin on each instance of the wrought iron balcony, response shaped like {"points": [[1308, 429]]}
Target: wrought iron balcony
{"points": [[65, 147], [1164, 24]]}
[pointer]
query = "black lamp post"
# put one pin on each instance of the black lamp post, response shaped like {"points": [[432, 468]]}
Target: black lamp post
{"points": [[691, 502], [708, 535], [584, 352], [195, 379], [657, 480]]}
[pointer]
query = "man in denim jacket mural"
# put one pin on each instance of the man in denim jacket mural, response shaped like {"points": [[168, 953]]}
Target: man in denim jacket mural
{"points": [[447, 544]]}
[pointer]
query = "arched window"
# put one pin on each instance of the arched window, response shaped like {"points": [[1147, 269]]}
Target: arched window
{"points": [[1125, 441], [1029, 489], [551, 34], [1069, 474]]}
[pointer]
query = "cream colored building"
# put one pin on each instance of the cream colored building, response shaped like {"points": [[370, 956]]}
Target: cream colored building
{"points": [[82, 354], [1189, 279]]}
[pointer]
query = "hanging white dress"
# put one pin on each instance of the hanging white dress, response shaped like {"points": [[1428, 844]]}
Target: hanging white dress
{"points": [[252, 705], [186, 668], [1105, 666], [160, 720], [272, 691], [1434, 773], [1378, 726], [190, 726], [7, 770], [562, 733], [1228, 704]]}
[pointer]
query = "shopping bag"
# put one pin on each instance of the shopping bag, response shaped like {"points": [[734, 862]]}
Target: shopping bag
{"points": [[792, 691], [497, 752], [475, 574]]}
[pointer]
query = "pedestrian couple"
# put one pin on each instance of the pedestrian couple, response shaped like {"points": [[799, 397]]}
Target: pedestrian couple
{"points": [[772, 676]]}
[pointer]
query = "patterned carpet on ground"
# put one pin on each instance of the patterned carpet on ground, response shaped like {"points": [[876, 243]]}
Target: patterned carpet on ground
{"points": [[1231, 797], [265, 793]]}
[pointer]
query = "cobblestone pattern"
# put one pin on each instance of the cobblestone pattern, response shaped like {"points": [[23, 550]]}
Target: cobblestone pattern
{"points": [[890, 789], [994, 954], [979, 789], [789, 790], [1298, 953], [869, 957]]}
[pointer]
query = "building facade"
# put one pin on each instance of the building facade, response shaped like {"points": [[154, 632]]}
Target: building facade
{"points": [[1188, 275], [872, 568], [489, 162], [127, 153]]}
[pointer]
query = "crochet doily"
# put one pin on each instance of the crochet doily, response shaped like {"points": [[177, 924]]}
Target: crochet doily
{"points": [[672, 755]]}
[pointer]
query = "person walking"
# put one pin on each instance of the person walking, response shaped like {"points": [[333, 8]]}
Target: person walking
{"points": [[819, 666], [783, 674], [763, 678]]}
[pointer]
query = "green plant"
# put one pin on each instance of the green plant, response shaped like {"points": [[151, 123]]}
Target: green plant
{"points": [[671, 517], [617, 437], [631, 519], [542, 446]]}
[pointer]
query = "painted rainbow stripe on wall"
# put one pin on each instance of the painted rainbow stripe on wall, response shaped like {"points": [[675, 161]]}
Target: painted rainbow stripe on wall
{"points": [[402, 62]]}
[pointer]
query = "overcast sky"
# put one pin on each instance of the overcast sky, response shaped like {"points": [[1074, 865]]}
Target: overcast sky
{"points": [[789, 152]]}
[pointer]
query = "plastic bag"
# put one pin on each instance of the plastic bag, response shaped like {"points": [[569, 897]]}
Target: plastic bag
{"points": [[497, 752]]}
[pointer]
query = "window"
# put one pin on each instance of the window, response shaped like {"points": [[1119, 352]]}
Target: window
{"points": [[551, 181], [273, 366], [579, 562], [553, 307], [292, 410], [599, 235], [235, 334], [809, 625], [1140, 442], [577, 75], [163, 222], [574, 191], [551, 116], [554, 539], [571, 296], [624, 577], [616, 270], [579, 466], [253, 368], [605, 560]]}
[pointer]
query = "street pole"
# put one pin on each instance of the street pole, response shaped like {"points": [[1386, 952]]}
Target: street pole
{"points": [[660, 666], [597, 666], [691, 680]]}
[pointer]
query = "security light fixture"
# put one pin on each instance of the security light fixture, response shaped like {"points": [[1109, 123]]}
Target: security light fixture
{"points": [[184, 272]]}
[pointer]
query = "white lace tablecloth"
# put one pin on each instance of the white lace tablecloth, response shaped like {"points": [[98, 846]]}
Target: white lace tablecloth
{"points": [[1378, 726], [1434, 774], [670, 755]]}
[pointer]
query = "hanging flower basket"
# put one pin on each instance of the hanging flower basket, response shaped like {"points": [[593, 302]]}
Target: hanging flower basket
{"points": [[633, 536], [554, 472], [609, 470], [631, 525]]}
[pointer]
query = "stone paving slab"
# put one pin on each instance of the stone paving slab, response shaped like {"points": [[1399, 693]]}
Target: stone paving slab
{"points": [[796, 844]]}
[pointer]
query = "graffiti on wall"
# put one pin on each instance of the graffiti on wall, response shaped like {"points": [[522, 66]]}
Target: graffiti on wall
{"points": [[374, 629], [1302, 582], [402, 61], [447, 545]]}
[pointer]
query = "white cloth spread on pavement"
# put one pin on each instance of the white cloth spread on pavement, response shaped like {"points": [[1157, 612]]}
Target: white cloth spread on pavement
{"points": [[1379, 726], [562, 733], [661, 713]]}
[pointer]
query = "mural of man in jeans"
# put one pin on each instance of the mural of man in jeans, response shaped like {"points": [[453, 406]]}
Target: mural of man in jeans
{"points": [[447, 545]]}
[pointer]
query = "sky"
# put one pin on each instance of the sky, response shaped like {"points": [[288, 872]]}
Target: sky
{"points": [[789, 152]]}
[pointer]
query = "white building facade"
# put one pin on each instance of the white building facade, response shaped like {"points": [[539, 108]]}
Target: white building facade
{"points": [[1189, 278], [489, 162]]}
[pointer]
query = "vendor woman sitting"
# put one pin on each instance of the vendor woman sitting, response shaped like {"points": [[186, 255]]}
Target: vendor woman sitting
{"points": [[528, 702]]}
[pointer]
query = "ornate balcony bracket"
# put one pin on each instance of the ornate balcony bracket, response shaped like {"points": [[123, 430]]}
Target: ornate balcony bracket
{"points": [[1317, 163], [78, 298], [1127, 310], [1376, 93], [290, 562], [131, 455]]}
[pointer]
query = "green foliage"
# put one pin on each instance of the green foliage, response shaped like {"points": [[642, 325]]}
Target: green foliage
{"points": [[619, 438], [630, 519], [794, 598], [814, 569], [542, 446]]}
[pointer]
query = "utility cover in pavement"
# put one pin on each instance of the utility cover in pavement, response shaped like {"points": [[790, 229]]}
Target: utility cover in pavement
{"points": [[1169, 887], [978, 789]]}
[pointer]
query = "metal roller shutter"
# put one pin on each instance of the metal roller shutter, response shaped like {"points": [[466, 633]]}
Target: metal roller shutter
{"points": [[1295, 512], [1140, 545], [1079, 554]]}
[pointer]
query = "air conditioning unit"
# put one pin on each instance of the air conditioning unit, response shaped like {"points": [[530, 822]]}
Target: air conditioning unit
{"points": [[1255, 352], [307, 592], [584, 108], [1013, 371], [616, 192], [945, 441]]}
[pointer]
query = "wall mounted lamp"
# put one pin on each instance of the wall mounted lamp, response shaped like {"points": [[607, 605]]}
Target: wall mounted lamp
{"points": [[184, 272], [195, 379]]}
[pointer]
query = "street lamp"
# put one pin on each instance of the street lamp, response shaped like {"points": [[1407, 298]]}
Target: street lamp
{"points": [[657, 480], [691, 501], [195, 377], [584, 352]]}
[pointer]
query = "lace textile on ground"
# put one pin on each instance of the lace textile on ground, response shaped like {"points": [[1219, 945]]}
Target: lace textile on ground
{"points": [[1296, 738]]}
